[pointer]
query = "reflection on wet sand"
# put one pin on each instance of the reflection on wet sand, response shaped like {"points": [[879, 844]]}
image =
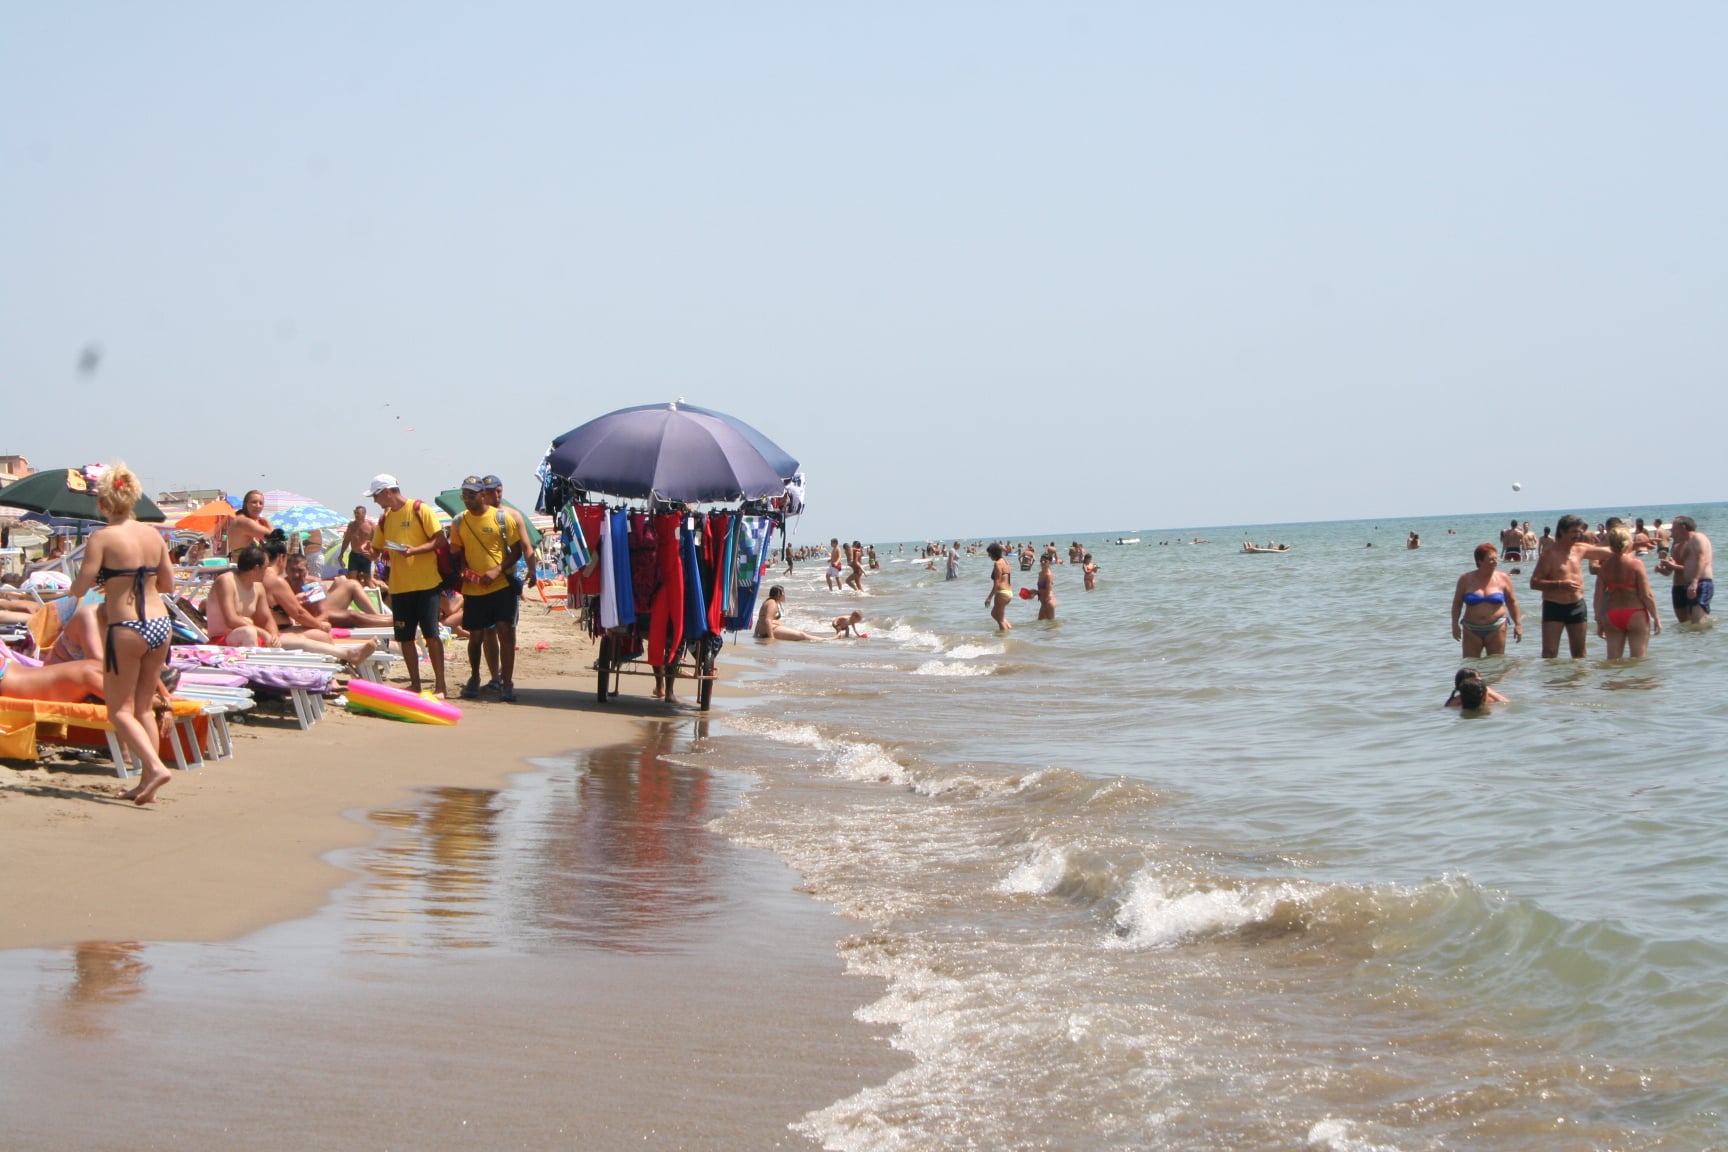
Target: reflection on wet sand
{"points": [[433, 880], [623, 863], [618, 859], [104, 974]]}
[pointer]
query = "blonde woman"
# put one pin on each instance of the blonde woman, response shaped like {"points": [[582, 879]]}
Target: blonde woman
{"points": [[1631, 606], [130, 561]]}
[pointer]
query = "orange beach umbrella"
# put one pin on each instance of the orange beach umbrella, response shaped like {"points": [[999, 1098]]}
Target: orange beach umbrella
{"points": [[207, 518]]}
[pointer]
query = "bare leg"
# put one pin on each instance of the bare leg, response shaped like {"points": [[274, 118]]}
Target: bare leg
{"points": [[507, 655], [1637, 636], [1551, 633], [1472, 645], [130, 692], [1575, 635], [1494, 644], [1616, 639], [411, 654]]}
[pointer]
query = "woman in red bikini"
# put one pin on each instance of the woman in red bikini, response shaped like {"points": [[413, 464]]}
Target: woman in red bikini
{"points": [[1631, 613]]}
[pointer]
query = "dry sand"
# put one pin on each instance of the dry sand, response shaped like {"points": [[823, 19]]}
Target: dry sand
{"points": [[304, 1032]]}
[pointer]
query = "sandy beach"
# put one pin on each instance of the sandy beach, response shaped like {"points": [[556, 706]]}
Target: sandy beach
{"points": [[301, 925]]}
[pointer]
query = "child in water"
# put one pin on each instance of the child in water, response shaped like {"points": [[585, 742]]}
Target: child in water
{"points": [[1471, 692], [848, 625]]}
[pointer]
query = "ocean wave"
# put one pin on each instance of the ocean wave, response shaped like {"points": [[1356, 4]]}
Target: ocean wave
{"points": [[943, 668], [974, 651], [1340, 1136], [1152, 917]]}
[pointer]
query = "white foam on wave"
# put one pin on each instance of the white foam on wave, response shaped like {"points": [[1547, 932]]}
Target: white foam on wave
{"points": [[1039, 876], [901, 633], [944, 668], [1340, 1136], [866, 761], [973, 651], [779, 731], [1152, 918]]}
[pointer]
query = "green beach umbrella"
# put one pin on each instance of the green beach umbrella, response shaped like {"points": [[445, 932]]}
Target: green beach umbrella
{"points": [[451, 501], [65, 492]]}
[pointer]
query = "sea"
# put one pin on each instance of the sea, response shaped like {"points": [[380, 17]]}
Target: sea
{"points": [[1205, 863], [1202, 864]]}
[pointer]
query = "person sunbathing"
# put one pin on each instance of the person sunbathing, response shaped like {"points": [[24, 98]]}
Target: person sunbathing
{"points": [[332, 602], [298, 630], [238, 608], [77, 682]]}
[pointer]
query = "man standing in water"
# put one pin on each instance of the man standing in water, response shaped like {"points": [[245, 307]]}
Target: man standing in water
{"points": [[1694, 575], [1560, 579], [834, 562]]}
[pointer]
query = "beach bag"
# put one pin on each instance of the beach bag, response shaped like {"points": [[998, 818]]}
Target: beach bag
{"points": [[449, 572]]}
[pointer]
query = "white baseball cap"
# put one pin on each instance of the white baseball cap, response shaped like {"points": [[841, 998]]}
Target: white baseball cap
{"points": [[380, 482]]}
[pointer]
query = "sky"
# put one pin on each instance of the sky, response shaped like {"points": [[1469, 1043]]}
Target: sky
{"points": [[985, 269]]}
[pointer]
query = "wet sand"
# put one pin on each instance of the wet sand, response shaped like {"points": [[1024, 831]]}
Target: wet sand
{"points": [[566, 959]]}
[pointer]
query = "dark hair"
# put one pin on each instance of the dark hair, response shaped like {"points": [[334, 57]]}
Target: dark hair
{"points": [[777, 593], [1568, 522], [249, 557], [1685, 522], [995, 551], [1465, 674], [275, 544], [1473, 693]]}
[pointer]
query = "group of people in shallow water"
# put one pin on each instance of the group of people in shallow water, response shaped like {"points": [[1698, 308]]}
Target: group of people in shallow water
{"points": [[1623, 604]]}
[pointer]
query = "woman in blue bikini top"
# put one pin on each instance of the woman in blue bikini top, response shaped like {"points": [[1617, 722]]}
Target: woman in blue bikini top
{"points": [[1482, 604], [131, 562]]}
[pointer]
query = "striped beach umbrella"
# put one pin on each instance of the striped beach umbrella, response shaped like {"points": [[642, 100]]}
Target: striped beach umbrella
{"points": [[305, 517]]}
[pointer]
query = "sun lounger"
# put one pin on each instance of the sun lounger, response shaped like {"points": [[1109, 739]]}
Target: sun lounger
{"points": [[24, 724]]}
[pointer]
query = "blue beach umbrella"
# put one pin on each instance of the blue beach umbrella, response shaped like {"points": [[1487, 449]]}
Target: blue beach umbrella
{"points": [[668, 452], [306, 517]]}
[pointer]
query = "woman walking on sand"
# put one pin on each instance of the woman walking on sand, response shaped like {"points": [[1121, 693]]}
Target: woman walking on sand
{"points": [[131, 563], [1001, 589]]}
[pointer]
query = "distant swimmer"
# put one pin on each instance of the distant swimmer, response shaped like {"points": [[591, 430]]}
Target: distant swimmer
{"points": [[1090, 571], [1001, 589], [768, 626]]}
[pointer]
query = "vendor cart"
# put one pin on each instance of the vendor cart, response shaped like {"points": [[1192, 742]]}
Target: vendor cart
{"points": [[680, 470]]}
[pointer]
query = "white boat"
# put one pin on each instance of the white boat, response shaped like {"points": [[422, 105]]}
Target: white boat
{"points": [[1255, 549], [1127, 540]]}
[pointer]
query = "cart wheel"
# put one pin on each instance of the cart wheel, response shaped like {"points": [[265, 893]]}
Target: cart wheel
{"points": [[705, 686], [605, 664]]}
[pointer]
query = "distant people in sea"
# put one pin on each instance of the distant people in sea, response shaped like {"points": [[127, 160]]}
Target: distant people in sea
{"points": [[836, 565], [1046, 590], [1089, 571], [1415, 541], [1512, 543], [1483, 602], [1001, 588], [855, 559]]}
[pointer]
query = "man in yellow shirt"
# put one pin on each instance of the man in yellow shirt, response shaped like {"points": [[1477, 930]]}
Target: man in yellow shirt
{"points": [[488, 542], [408, 535]]}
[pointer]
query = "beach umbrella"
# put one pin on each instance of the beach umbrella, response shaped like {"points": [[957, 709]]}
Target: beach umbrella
{"points": [[665, 451], [278, 500], [207, 518], [65, 492], [450, 500], [305, 517], [778, 458]]}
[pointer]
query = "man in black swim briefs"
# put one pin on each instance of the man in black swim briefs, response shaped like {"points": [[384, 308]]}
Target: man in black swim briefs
{"points": [[1560, 578]]}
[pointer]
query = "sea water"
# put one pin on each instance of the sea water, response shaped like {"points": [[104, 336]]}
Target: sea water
{"points": [[1205, 864]]}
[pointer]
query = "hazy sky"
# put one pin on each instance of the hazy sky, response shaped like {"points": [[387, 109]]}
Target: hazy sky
{"points": [[984, 268]]}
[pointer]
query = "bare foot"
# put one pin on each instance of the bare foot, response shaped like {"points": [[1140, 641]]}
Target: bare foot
{"points": [[149, 784]]}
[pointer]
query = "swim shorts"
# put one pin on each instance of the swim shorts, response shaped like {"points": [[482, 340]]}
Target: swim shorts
{"points": [[1573, 613], [415, 610], [1684, 604], [357, 562], [482, 612]]}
